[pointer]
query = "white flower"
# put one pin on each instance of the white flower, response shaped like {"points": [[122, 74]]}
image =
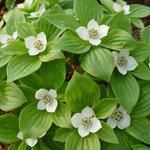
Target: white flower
{"points": [[26, 3], [93, 33], [37, 44], [29, 141], [119, 118], [86, 122], [124, 62], [122, 8], [38, 13], [5, 39], [47, 99]]}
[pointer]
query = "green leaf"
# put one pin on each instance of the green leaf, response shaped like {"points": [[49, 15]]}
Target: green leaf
{"points": [[22, 146], [126, 88], [62, 21], [41, 146], [142, 109], [78, 96], [9, 3], [4, 59], [15, 17], [87, 10], [139, 11], [141, 52], [99, 63], [28, 92], [108, 4], [53, 73], [105, 107], [51, 53], [75, 142], [107, 134], [145, 35], [120, 21], [8, 128], [140, 147], [142, 72], [119, 40], [14, 48], [62, 116], [34, 81], [125, 142], [70, 42], [140, 129], [21, 66], [3, 73], [137, 23], [62, 134], [25, 29], [33, 122], [44, 26], [11, 96], [33, 7]]}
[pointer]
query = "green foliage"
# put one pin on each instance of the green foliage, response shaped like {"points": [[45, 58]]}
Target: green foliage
{"points": [[21, 66], [11, 96], [8, 128], [107, 134], [126, 88], [73, 70], [33, 122], [70, 42], [119, 40], [105, 107], [74, 141], [140, 129], [98, 62], [78, 96], [139, 11], [87, 12]]}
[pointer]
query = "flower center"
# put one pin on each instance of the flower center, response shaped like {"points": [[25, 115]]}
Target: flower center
{"points": [[93, 33], [85, 122], [47, 99], [122, 61], [9, 40], [38, 44], [117, 115]]}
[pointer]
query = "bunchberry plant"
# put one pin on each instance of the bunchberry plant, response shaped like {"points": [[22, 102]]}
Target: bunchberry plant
{"points": [[73, 76]]}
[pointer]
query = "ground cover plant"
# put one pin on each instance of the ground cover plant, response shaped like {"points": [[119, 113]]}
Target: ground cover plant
{"points": [[73, 76]]}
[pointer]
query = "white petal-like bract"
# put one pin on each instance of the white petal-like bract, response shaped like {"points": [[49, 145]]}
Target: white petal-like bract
{"points": [[41, 93], [86, 122], [31, 142], [51, 107], [94, 125], [76, 120], [83, 131], [83, 33], [111, 122]]}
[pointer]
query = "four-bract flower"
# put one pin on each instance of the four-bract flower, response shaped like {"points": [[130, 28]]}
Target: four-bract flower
{"points": [[86, 122], [93, 33], [29, 141], [37, 44], [26, 3], [5, 39], [119, 118], [124, 62], [39, 12], [121, 7], [47, 99]]}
